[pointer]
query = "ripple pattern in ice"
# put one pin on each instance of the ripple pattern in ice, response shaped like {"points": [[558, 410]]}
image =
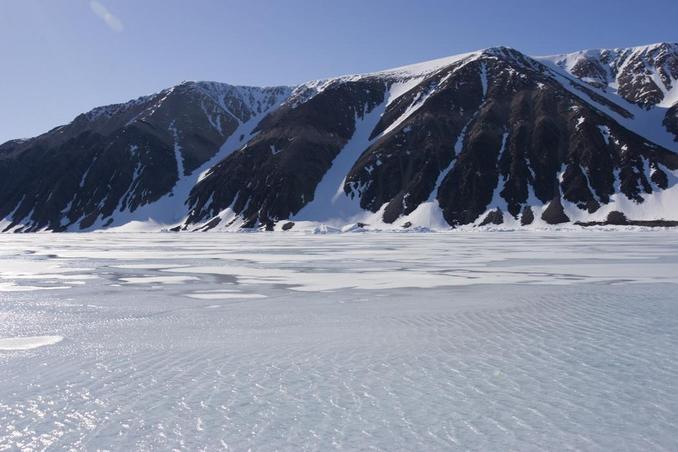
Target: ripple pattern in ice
{"points": [[587, 365]]}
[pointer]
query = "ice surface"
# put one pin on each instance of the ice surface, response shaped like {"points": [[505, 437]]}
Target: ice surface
{"points": [[158, 279], [395, 341], [224, 295], [27, 343]]}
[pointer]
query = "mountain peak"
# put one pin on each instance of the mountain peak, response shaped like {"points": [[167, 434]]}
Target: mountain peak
{"points": [[499, 51]]}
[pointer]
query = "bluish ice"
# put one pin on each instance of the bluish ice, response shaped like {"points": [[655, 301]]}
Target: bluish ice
{"points": [[389, 341]]}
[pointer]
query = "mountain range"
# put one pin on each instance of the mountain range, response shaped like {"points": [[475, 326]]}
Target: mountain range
{"points": [[492, 137]]}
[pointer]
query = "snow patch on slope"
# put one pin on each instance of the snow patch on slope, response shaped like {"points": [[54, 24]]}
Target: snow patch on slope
{"points": [[171, 209], [330, 202]]}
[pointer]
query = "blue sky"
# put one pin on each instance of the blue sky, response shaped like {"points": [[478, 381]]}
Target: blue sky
{"points": [[63, 57]]}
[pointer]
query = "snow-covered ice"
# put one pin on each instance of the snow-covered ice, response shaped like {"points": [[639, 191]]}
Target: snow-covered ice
{"points": [[27, 343], [524, 340]]}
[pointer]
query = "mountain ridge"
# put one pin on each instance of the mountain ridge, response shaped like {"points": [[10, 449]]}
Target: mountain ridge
{"points": [[487, 137]]}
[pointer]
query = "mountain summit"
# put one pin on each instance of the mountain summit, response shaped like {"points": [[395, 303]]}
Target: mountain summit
{"points": [[488, 137]]}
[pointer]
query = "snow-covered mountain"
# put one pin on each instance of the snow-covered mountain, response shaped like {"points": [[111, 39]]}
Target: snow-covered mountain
{"points": [[488, 137]]}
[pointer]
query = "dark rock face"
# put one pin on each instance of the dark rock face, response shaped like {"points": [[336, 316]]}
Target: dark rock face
{"points": [[274, 175], [500, 141], [593, 70], [494, 217], [644, 223], [83, 178], [120, 157], [480, 136], [521, 128], [527, 217], [671, 120], [617, 218], [635, 83], [554, 213], [401, 167]]}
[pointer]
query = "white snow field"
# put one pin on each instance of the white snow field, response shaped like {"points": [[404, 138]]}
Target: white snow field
{"points": [[386, 341]]}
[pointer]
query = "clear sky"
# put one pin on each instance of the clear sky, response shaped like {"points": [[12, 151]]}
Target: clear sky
{"points": [[62, 57]]}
